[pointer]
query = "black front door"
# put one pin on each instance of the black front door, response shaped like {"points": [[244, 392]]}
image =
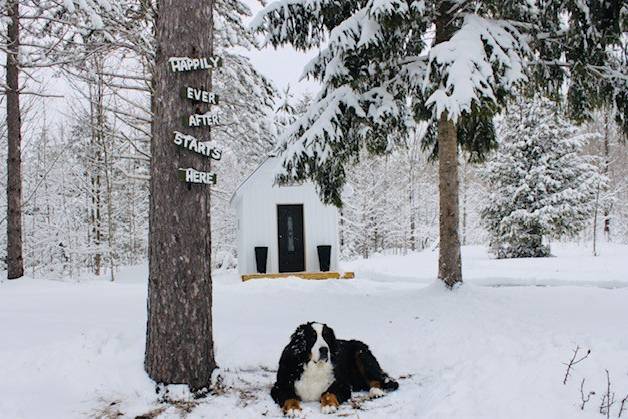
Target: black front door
{"points": [[290, 232]]}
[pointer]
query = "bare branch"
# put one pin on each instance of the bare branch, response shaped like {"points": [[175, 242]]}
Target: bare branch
{"points": [[608, 399], [582, 396], [574, 362], [623, 406]]}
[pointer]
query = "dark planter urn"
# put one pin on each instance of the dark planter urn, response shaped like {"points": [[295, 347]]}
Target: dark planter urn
{"points": [[324, 257], [261, 256]]}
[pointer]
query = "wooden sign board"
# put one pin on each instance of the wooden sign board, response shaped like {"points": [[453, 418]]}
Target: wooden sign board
{"points": [[190, 175], [205, 148], [199, 95], [201, 120], [182, 64]]}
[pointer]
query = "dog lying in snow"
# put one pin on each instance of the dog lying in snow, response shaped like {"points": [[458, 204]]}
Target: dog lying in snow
{"points": [[317, 366]]}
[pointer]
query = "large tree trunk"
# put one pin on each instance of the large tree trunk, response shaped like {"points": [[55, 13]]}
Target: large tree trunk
{"points": [[15, 260], [449, 261], [179, 343]]}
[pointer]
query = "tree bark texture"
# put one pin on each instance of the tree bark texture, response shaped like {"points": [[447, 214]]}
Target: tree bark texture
{"points": [[179, 343], [606, 172], [15, 259], [97, 146], [449, 260]]}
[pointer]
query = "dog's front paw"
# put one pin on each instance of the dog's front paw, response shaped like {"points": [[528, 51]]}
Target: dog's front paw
{"points": [[294, 413], [329, 403], [326, 410], [375, 393], [292, 409]]}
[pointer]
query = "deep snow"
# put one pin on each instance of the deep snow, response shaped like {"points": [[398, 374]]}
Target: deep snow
{"points": [[75, 349]]}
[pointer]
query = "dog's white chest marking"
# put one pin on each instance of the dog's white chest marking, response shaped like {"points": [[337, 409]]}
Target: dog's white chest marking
{"points": [[316, 378]]}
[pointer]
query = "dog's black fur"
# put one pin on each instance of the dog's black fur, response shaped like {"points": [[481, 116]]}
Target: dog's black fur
{"points": [[354, 366]]}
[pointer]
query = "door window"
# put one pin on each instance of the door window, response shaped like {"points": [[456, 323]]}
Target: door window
{"points": [[290, 234]]}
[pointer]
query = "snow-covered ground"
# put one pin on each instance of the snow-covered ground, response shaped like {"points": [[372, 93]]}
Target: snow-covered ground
{"points": [[75, 349], [572, 265]]}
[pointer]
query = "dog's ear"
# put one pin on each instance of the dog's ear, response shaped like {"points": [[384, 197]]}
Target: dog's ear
{"points": [[298, 340], [295, 353], [299, 333]]}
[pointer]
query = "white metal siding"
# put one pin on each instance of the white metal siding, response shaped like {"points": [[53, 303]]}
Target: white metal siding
{"points": [[256, 207]]}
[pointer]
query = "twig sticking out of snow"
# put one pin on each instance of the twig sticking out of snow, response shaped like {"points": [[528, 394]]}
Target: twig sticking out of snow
{"points": [[609, 398], [622, 406], [587, 398], [574, 361]]}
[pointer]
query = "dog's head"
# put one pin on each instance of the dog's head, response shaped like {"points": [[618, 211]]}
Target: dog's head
{"points": [[315, 342]]}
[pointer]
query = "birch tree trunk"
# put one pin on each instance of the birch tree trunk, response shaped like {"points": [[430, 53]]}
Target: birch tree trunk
{"points": [[595, 210], [449, 261], [96, 112], [179, 343], [464, 187], [15, 259], [606, 172]]}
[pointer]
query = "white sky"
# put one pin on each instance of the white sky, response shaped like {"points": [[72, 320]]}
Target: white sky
{"points": [[283, 66]]}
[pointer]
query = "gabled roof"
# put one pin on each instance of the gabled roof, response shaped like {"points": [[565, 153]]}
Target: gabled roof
{"points": [[248, 178]]}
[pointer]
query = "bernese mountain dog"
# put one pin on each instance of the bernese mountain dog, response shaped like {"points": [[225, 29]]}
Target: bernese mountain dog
{"points": [[315, 366]]}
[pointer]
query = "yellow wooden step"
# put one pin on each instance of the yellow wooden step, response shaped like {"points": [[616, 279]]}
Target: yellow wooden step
{"points": [[302, 275]]}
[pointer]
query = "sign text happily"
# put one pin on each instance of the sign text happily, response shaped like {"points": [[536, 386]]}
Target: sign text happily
{"points": [[180, 64]]}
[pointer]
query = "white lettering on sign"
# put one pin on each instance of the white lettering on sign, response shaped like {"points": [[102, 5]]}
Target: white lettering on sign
{"points": [[206, 148], [203, 120], [180, 64], [190, 175], [200, 95]]}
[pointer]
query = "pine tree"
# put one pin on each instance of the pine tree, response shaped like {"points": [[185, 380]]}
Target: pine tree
{"points": [[24, 19], [382, 71], [285, 112], [15, 259], [541, 186], [179, 341]]}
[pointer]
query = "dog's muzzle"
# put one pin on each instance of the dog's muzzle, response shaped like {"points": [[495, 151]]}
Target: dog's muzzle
{"points": [[324, 353]]}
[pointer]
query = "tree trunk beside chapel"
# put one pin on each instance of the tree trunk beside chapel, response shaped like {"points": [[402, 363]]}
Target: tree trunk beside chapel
{"points": [[449, 260], [179, 344], [15, 258]]}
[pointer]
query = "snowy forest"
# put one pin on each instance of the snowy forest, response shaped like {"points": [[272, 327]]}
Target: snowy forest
{"points": [[455, 138], [86, 143], [86, 197], [86, 151]]}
